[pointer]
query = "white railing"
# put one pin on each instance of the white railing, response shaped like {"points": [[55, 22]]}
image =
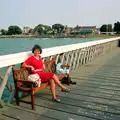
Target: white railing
{"points": [[75, 55], [12, 59]]}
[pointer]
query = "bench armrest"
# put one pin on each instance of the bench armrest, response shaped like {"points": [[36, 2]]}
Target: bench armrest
{"points": [[25, 85], [27, 82], [65, 65]]}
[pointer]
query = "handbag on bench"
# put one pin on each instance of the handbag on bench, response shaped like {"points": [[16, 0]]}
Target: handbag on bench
{"points": [[36, 79]]}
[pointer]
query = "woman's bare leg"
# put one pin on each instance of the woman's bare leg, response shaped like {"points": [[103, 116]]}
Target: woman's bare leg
{"points": [[53, 88], [58, 82]]}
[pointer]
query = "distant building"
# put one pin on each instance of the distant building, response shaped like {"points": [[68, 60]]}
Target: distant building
{"points": [[84, 30], [27, 30], [67, 30], [98, 31]]}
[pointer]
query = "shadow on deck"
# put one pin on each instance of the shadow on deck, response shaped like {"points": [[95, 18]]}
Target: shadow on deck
{"points": [[95, 97]]}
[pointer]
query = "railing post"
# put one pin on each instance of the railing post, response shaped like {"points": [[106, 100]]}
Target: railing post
{"points": [[57, 58], [4, 82], [75, 59], [62, 60], [87, 54], [78, 60], [67, 59], [71, 59], [9, 86], [90, 53], [82, 57]]}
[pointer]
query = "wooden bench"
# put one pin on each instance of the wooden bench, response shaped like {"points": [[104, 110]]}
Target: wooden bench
{"points": [[23, 85], [50, 66]]}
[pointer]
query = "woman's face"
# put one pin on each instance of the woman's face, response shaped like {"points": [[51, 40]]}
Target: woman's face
{"points": [[36, 52]]}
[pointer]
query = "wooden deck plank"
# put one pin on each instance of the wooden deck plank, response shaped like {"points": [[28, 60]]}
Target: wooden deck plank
{"points": [[96, 85], [77, 110], [98, 90], [100, 83], [50, 113], [99, 76], [83, 103], [4, 117], [97, 93], [93, 99], [96, 79], [23, 114], [92, 95]]}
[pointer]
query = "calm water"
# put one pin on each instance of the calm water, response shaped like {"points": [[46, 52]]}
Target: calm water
{"points": [[15, 45]]}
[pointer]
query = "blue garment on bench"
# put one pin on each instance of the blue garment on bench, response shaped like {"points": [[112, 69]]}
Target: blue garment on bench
{"points": [[61, 70]]}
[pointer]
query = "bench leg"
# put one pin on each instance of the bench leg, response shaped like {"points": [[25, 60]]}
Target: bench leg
{"points": [[68, 80], [17, 98], [32, 101]]}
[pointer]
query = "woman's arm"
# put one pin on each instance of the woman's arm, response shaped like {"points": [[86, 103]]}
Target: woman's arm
{"points": [[28, 66], [43, 66], [43, 62]]}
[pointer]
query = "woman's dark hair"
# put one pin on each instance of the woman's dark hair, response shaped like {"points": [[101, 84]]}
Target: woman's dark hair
{"points": [[37, 47]]}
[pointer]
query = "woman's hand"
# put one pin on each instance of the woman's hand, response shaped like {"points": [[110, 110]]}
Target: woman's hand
{"points": [[32, 68], [28, 66]]}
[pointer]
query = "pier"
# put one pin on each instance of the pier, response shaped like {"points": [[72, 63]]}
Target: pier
{"points": [[94, 66]]}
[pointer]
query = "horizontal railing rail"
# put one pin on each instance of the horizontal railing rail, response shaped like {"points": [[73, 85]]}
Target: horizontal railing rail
{"points": [[12, 59]]}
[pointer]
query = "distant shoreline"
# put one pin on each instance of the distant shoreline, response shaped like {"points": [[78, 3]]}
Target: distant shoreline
{"points": [[59, 36], [18, 36]]}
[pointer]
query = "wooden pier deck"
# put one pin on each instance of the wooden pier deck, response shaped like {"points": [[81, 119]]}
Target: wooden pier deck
{"points": [[95, 97]]}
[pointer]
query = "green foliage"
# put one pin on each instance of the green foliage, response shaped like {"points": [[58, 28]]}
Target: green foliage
{"points": [[109, 27], [106, 28], [117, 27], [3, 32], [58, 27], [41, 29], [103, 28], [13, 30]]}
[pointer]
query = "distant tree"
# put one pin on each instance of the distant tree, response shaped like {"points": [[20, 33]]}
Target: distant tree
{"points": [[109, 28], [103, 28], [41, 29], [3, 32], [106, 28], [13, 30], [38, 29], [58, 27], [117, 27], [47, 29]]}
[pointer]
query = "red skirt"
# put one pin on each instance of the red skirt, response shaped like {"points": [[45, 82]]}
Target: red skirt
{"points": [[45, 76]]}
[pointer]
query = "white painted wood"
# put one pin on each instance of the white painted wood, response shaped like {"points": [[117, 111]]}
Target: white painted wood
{"points": [[12, 59], [57, 58], [63, 57], [71, 58], [87, 55], [78, 61], [9, 86], [4, 82], [67, 58], [75, 59]]}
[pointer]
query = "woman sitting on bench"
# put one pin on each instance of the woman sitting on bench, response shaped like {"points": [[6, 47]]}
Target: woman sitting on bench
{"points": [[37, 67]]}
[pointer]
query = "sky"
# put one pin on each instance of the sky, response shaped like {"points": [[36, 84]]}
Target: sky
{"points": [[67, 12]]}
